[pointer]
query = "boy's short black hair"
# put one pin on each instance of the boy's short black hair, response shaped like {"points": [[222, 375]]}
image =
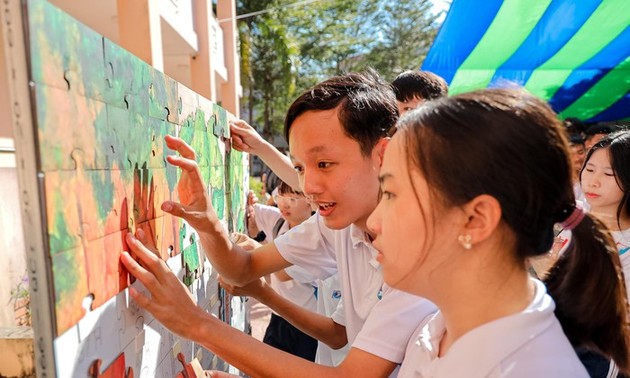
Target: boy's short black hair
{"points": [[601, 128], [365, 103], [575, 130], [419, 84]]}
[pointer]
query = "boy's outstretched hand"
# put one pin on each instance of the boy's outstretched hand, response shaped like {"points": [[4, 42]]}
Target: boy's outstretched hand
{"points": [[194, 206], [171, 303]]}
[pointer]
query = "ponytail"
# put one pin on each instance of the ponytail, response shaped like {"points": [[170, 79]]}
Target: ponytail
{"points": [[588, 287]]}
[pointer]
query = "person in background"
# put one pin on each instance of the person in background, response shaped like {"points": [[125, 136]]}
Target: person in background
{"points": [[292, 209], [575, 130], [606, 183], [595, 132], [412, 88], [457, 228], [272, 292]]}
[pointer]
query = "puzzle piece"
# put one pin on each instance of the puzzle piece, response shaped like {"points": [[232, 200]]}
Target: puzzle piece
{"points": [[221, 128], [116, 369], [106, 275], [66, 123], [163, 97], [70, 283], [192, 369], [104, 205], [236, 192], [65, 53], [128, 79], [64, 222], [187, 105]]}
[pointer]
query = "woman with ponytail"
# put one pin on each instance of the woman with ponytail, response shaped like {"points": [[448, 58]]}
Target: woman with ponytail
{"points": [[472, 187]]}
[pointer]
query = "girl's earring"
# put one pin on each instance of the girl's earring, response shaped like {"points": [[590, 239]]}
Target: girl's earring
{"points": [[465, 241]]}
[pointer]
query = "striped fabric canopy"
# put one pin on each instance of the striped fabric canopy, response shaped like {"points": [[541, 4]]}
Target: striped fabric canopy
{"points": [[573, 53]]}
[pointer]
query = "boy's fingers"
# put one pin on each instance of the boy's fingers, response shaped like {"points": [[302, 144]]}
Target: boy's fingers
{"points": [[184, 163], [239, 124], [140, 298], [148, 242], [145, 276], [187, 165], [180, 146], [239, 145], [174, 208]]}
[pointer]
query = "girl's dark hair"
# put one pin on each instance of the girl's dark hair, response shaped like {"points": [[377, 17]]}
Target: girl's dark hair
{"points": [[509, 144], [366, 106], [618, 145]]}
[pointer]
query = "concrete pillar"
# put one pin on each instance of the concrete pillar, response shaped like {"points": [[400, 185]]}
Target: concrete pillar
{"points": [[140, 31], [226, 10], [201, 66], [6, 127]]}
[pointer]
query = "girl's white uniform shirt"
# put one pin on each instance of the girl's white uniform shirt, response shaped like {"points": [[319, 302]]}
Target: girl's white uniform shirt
{"points": [[379, 320], [300, 293], [524, 345]]}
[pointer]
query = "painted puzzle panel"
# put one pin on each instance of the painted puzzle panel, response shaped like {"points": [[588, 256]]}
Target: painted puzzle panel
{"points": [[101, 116]]}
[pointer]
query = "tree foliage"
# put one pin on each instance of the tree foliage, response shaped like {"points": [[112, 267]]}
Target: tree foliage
{"points": [[290, 48]]}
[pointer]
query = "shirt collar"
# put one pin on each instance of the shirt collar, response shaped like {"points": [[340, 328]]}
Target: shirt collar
{"points": [[359, 238], [521, 328]]}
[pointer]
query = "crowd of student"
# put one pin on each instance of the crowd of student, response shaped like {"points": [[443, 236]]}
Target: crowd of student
{"points": [[433, 224]]}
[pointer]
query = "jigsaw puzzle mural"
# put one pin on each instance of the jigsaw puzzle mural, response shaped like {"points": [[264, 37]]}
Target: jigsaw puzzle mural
{"points": [[99, 117]]}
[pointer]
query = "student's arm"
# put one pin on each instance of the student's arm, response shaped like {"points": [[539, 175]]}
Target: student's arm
{"points": [[173, 306], [234, 263], [282, 276], [246, 139], [317, 326]]}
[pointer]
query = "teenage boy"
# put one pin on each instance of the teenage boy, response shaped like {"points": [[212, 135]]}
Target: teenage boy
{"points": [[337, 137]]}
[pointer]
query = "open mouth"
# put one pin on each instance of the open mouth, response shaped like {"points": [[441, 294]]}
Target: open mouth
{"points": [[325, 208]]}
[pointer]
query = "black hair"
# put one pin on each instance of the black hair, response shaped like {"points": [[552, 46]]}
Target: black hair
{"points": [[284, 188], [419, 84], [365, 102]]}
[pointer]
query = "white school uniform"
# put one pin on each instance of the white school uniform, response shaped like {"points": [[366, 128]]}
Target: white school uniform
{"points": [[328, 303], [379, 319], [300, 293], [528, 344]]}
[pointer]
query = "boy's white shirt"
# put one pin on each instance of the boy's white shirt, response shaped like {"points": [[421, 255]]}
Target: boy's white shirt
{"points": [[328, 303], [528, 344], [300, 293], [378, 326]]}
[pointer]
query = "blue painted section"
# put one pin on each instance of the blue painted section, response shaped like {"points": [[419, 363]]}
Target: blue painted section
{"points": [[617, 111], [458, 36], [587, 75], [556, 27]]}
